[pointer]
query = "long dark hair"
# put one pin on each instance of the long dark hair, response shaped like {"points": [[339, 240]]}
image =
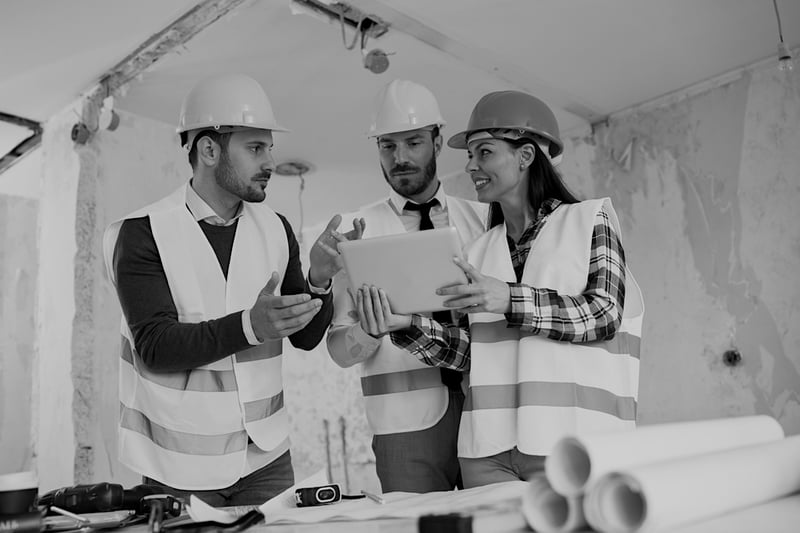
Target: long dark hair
{"points": [[544, 182]]}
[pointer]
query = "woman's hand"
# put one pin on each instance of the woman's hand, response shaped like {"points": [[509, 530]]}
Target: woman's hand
{"points": [[375, 313], [483, 294]]}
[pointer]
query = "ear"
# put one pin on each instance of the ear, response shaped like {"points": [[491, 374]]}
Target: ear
{"points": [[526, 154], [208, 151], [437, 145]]}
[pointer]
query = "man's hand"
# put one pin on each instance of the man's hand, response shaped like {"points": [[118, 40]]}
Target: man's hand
{"points": [[483, 294], [275, 317], [324, 255], [375, 313]]}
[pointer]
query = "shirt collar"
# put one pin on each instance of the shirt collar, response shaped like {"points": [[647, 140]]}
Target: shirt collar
{"points": [[398, 201], [201, 211]]}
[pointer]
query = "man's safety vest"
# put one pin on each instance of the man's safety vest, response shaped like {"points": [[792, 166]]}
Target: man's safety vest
{"points": [[527, 390], [402, 394], [190, 429]]}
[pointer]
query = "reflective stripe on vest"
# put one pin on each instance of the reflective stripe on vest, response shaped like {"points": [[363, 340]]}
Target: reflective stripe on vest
{"points": [[186, 429], [402, 394], [527, 390]]}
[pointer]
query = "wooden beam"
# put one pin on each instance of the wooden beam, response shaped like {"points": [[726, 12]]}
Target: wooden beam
{"points": [[160, 44], [26, 145], [157, 46]]}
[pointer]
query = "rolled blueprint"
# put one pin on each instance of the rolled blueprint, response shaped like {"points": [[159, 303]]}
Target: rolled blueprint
{"points": [[576, 462], [660, 496], [549, 512]]}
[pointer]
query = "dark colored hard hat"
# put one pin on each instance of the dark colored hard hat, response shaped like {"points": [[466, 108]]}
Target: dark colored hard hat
{"points": [[512, 110]]}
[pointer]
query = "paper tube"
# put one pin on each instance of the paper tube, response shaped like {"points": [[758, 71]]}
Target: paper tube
{"points": [[549, 512], [577, 461], [660, 496]]}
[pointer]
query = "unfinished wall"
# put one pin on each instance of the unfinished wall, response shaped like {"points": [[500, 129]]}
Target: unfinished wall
{"points": [[707, 190], [19, 259]]}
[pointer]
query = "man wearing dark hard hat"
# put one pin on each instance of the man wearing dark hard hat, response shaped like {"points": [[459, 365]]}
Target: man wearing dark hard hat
{"points": [[210, 283]]}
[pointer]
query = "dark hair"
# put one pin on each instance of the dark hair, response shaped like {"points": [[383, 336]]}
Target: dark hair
{"points": [[221, 139], [544, 182]]}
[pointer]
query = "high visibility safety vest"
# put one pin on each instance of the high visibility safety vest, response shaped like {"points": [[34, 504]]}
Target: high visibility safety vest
{"points": [[190, 429], [529, 391], [402, 394]]}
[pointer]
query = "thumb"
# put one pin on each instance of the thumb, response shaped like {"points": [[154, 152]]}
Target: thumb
{"points": [[269, 288], [472, 273]]}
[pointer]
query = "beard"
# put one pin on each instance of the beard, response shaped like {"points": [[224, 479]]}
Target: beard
{"points": [[228, 179], [407, 185]]}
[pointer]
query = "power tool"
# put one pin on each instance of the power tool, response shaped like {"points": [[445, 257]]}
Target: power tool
{"points": [[103, 497]]}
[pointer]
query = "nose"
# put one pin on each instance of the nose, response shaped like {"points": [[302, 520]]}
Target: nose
{"points": [[471, 165], [268, 163], [401, 154]]}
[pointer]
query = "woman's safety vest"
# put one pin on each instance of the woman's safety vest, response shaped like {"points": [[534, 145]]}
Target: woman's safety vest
{"points": [[527, 390], [190, 429], [401, 393]]}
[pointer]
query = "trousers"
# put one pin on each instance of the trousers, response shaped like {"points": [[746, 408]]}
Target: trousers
{"points": [[253, 489], [425, 460]]}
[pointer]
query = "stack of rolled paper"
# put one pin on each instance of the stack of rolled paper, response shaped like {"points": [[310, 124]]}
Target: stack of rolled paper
{"points": [[657, 477]]}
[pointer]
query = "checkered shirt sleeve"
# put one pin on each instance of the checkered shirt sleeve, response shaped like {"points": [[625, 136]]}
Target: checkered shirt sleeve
{"points": [[595, 314], [436, 344]]}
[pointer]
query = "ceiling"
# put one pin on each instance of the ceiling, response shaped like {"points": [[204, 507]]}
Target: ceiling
{"points": [[588, 59]]}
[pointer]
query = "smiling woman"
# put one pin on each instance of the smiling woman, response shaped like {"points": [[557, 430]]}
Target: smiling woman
{"points": [[551, 343]]}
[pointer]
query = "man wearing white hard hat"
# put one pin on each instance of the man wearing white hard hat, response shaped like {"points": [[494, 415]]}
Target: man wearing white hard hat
{"points": [[413, 409], [210, 283]]}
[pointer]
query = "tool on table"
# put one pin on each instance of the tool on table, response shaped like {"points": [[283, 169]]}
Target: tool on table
{"points": [[102, 497], [327, 494]]}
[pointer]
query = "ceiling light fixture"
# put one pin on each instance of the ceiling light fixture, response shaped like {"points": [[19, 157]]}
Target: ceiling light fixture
{"points": [[784, 57], [296, 167]]}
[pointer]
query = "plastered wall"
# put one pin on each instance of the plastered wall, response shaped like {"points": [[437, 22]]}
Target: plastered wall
{"points": [[706, 187]]}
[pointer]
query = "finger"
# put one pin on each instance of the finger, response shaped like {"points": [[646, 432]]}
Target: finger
{"points": [[462, 302], [380, 310], [472, 273], [458, 289], [271, 285], [327, 249], [387, 308], [369, 311], [297, 309], [362, 318], [295, 324], [359, 225], [333, 223], [283, 302]]}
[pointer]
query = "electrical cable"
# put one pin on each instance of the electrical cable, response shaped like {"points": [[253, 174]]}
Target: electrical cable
{"points": [[355, 36]]}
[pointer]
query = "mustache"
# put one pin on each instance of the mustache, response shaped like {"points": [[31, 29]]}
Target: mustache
{"points": [[404, 168], [267, 174]]}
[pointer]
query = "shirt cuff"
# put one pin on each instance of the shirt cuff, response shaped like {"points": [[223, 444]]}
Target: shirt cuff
{"points": [[317, 290], [247, 327], [364, 339]]}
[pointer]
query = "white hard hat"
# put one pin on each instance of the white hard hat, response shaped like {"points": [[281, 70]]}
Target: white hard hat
{"points": [[232, 100], [403, 105]]}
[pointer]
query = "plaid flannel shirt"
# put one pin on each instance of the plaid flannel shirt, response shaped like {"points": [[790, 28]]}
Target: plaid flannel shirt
{"points": [[593, 315]]}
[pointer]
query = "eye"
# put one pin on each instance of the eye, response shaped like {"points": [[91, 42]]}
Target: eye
{"points": [[386, 146], [414, 144]]}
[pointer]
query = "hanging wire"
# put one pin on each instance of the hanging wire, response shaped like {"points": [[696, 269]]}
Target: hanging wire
{"points": [[355, 36], [300, 201], [778, 16]]}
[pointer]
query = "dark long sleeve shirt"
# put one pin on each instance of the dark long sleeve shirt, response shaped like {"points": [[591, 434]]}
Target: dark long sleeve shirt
{"points": [[164, 343]]}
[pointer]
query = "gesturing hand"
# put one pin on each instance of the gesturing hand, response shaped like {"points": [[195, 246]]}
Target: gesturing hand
{"points": [[481, 294], [275, 317], [375, 313], [324, 255]]}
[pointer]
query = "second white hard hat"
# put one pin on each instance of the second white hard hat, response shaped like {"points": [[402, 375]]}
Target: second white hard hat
{"points": [[404, 105]]}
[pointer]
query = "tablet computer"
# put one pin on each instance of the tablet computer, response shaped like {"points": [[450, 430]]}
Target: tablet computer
{"points": [[408, 266]]}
